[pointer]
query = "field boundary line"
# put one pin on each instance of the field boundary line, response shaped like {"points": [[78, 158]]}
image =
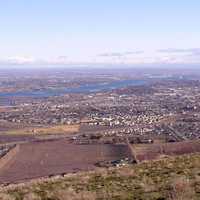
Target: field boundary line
{"points": [[9, 156]]}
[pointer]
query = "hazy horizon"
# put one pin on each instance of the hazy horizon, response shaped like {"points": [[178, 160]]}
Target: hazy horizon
{"points": [[136, 33]]}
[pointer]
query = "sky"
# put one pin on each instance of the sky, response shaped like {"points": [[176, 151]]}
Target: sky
{"points": [[99, 31]]}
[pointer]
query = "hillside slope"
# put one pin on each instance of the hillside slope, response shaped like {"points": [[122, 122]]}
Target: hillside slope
{"points": [[175, 178]]}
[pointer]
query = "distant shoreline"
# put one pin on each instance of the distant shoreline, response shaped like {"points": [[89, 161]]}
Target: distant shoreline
{"points": [[81, 89]]}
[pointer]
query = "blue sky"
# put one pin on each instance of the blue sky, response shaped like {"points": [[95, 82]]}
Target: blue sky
{"points": [[105, 31]]}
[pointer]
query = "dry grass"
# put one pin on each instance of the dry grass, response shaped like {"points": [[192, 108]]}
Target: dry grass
{"points": [[170, 179], [72, 195], [58, 129], [181, 189]]}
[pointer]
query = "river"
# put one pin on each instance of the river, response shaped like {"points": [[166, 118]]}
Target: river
{"points": [[81, 89]]}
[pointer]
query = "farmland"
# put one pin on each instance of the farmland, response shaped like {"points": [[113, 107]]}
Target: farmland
{"points": [[59, 129], [49, 158], [156, 151]]}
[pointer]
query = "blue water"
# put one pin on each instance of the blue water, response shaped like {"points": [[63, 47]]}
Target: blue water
{"points": [[82, 89]]}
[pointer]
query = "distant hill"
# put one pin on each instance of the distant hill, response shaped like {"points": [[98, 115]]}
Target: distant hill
{"points": [[136, 90]]}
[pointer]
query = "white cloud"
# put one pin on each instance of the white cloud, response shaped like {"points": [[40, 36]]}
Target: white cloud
{"points": [[21, 60], [174, 50], [18, 60], [121, 54], [168, 56]]}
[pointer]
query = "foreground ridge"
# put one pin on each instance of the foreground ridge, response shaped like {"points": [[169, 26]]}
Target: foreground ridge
{"points": [[170, 178]]}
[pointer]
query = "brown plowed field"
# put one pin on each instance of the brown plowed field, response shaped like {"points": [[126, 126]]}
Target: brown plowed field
{"points": [[15, 138], [41, 159], [155, 151]]}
